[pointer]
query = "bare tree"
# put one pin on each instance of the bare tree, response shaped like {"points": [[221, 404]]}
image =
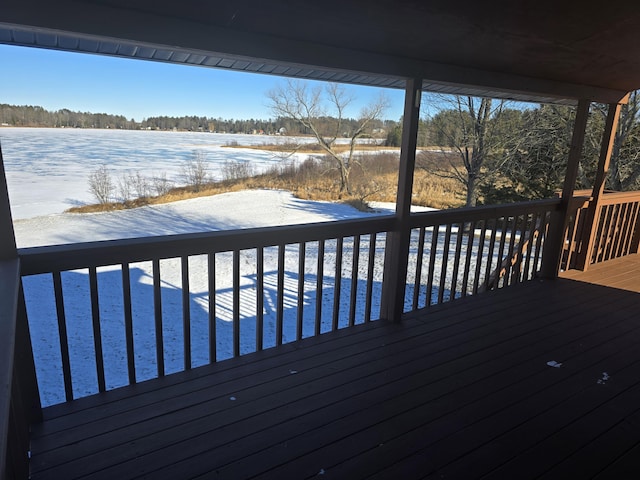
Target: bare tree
{"points": [[195, 172], [100, 184], [536, 159], [468, 128], [124, 188], [321, 112], [140, 184], [134, 185]]}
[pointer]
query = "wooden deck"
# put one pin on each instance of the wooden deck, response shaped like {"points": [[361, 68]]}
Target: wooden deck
{"points": [[621, 273], [465, 390]]}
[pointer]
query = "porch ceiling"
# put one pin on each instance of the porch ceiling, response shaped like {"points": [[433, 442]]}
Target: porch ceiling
{"points": [[540, 50]]}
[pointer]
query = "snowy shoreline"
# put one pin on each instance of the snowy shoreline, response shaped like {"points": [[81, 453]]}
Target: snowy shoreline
{"points": [[226, 211], [245, 209]]}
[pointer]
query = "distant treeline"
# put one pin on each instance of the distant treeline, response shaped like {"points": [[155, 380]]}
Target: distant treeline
{"points": [[34, 116]]}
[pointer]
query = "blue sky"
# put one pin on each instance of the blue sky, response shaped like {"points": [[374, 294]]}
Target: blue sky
{"points": [[140, 89]]}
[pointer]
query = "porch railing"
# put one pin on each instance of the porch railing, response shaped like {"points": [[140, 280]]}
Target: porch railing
{"points": [[129, 310], [118, 312], [462, 252], [608, 230]]}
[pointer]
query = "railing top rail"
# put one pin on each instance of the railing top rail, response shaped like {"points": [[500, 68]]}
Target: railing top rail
{"points": [[579, 193], [609, 196], [620, 197], [457, 215], [46, 259]]}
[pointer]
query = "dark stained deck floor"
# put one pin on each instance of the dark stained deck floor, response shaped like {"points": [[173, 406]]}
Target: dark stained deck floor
{"points": [[466, 390]]}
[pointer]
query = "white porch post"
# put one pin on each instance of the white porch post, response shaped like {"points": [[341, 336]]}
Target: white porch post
{"points": [[397, 246]]}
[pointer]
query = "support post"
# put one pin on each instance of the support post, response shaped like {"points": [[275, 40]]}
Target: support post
{"points": [[554, 241], [593, 212], [8, 311], [19, 398], [397, 243], [7, 237]]}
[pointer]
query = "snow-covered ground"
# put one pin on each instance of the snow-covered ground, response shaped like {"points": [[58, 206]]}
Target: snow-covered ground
{"points": [[227, 211], [256, 208]]}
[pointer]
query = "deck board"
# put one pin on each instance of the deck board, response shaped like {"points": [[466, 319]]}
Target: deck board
{"points": [[459, 388], [623, 273]]}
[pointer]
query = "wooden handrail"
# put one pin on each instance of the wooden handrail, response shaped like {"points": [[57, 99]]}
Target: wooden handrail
{"points": [[463, 215], [611, 198], [574, 230], [36, 260]]}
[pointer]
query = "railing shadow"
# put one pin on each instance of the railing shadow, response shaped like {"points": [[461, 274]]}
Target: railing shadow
{"points": [[45, 330]]}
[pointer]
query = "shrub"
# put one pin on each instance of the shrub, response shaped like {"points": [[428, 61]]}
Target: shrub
{"points": [[161, 185], [195, 172], [124, 189], [100, 184], [140, 185], [237, 170], [134, 186]]}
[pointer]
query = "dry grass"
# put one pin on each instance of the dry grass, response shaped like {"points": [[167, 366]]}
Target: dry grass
{"points": [[374, 178], [431, 190]]}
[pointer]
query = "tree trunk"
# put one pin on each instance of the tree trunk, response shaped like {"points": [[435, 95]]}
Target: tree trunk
{"points": [[471, 189], [344, 180]]}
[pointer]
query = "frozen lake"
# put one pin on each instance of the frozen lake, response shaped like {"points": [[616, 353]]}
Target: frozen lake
{"points": [[47, 168]]}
